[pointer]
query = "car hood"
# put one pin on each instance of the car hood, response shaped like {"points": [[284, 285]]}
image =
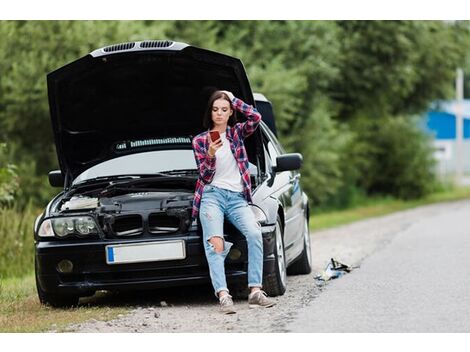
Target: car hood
{"points": [[134, 93]]}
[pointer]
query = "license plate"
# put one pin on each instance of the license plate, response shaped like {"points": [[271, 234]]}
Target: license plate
{"points": [[145, 252]]}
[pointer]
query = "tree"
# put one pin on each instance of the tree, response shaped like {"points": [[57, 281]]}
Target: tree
{"points": [[396, 67]]}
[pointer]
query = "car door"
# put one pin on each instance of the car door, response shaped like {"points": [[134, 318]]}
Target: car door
{"points": [[287, 189]]}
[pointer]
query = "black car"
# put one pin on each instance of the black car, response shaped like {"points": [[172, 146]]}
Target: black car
{"points": [[123, 119]]}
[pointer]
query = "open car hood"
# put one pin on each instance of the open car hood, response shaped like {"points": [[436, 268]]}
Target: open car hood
{"points": [[136, 91]]}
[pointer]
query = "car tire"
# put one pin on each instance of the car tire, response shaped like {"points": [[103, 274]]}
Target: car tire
{"points": [[303, 265], [54, 300], [275, 284]]}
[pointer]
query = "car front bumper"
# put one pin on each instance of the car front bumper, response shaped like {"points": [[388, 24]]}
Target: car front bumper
{"points": [[92, 273]]}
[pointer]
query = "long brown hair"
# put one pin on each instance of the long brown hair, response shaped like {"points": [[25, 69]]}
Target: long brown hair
{"points": [[207, 120]]}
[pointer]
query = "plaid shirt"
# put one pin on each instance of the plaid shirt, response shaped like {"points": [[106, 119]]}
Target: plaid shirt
{"points": [[235, 135]]}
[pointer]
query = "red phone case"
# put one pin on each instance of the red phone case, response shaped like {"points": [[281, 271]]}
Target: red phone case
{"points": [[215, 135]]}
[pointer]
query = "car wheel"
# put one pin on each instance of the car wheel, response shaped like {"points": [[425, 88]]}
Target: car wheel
{"points": [[275, 283], [54, 300], [303, 265]]}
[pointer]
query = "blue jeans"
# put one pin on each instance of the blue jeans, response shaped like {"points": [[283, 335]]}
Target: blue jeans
{"points": [[216, 203]]}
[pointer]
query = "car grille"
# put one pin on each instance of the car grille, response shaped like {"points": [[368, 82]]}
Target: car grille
{"points": [[119, 47], [160, 223], [157, 223], [128, 225]]}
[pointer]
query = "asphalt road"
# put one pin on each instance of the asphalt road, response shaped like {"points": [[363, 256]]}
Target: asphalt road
{"points": [[416, 281]]}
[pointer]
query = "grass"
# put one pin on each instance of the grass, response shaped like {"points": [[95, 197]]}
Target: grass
{"points": [[20, 310], [16, 241], [379, 207]]}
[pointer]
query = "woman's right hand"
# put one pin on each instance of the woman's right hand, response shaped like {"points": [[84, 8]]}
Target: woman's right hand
{"points": [[213, 146]]}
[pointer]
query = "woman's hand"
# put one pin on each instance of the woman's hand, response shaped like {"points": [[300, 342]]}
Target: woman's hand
{"points": [[213, 146], [229, 94]]}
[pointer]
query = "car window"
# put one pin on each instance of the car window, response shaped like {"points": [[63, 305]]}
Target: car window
{"points": [[270, 150], [275, 141], [142, 164]]}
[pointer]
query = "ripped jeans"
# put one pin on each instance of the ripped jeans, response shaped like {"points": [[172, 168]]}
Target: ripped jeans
{"points": [[215, 204]]}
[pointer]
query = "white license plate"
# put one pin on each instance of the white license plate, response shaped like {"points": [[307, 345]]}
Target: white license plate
{"points": [[145, 252]]}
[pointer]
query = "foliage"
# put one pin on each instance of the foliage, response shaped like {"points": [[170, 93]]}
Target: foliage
{"points": [[8, 177], [321, 76], [401, 163], [390, 68]]}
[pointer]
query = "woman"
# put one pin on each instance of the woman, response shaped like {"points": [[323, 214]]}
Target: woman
{"points": [[224, 189]]}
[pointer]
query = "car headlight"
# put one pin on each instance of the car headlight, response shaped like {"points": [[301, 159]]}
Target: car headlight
{"points": [[85, 226], [61, 227], [45, 230], [260, 216]]}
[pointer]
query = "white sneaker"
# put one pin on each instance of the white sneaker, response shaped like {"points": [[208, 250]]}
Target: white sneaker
{"points": [[226, 304], [260, 299]]}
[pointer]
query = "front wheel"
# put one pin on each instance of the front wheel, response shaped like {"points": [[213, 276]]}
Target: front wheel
{"points": [[275, 283], [303, 265]]}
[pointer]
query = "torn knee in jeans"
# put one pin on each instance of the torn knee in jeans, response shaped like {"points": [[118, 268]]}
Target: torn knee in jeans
{"points": [[218, 243]]}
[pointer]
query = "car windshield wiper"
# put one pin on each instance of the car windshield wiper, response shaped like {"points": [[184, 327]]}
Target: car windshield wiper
{"points": [[179, 171], [157, 177], [115, 181], [106, 179]]}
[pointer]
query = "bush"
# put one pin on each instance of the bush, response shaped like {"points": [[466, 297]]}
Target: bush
{"points": [[8, 178], [320, 139], [401, 163]]}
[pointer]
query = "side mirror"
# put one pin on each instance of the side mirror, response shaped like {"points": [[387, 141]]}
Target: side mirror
{"points": [[56, 179], [288, 162]]}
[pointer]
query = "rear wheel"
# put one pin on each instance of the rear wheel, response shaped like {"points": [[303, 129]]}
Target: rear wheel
{"points": [[303, 265], [275, 283]]}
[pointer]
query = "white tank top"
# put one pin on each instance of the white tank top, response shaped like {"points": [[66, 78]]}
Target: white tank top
{"points": [[227, 174]]}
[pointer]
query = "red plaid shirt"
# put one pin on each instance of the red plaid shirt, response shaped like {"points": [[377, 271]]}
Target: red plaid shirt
{"points": [[235, 136]]}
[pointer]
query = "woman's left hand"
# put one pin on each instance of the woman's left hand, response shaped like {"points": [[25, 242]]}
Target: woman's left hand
{"points": [[229, 94]]}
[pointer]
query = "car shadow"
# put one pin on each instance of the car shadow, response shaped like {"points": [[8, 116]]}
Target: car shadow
{"points": [[175, 296]]}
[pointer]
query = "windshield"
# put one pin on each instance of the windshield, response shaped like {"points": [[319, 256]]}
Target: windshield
{"points": [[147, 163]]}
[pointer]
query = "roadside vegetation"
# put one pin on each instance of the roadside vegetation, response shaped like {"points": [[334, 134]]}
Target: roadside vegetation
{"points": [[378, 206], [20, 310]]}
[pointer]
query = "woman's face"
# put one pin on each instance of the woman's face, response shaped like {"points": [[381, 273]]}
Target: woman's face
{"points": [[221, 111]]}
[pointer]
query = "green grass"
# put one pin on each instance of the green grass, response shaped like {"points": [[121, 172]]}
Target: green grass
{"points": [[16, 241], [20, 310], [380, 206]]}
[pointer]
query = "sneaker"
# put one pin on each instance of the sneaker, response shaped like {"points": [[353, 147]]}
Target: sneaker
{"points": [[226, 305], [260, 299]]}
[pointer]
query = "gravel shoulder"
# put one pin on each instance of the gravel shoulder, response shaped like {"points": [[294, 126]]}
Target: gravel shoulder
{"points": [[195, 309]]}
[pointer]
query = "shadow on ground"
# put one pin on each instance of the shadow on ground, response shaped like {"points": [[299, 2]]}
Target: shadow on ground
{"points": [[175, 296]]}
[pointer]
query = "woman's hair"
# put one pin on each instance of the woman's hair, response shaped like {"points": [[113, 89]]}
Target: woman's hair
{"points": [[207, 120]]}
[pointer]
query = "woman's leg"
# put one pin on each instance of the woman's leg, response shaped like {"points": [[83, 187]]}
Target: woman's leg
{"points": [[242, 217], [216, 248]]}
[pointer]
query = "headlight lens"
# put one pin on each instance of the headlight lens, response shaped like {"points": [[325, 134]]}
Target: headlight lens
{"points": [[260, 216], [84, 225], [63, 226]]}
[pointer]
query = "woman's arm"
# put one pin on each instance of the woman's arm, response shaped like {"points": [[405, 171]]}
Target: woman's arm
{"points": [[205, 163], [252, 115]]}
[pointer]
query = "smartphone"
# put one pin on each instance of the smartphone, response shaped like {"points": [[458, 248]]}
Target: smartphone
{"points": [[215, 135]]}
